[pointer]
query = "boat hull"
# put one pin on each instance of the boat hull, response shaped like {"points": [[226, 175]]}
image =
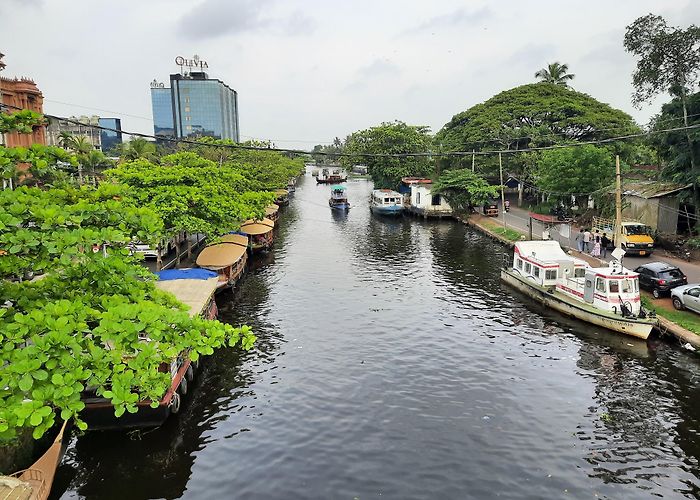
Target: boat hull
{"points": [[331, 180], [392, 210], [640, 328], [339, 206]]}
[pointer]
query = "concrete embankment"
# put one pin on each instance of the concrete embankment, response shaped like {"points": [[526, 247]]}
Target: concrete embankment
{"points": [[664, 326]]}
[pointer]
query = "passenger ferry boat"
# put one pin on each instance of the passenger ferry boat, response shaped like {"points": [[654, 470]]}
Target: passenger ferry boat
{"points": [[331, 175], [228, 259], [604, 296], [338, 199], [386, 202], [195, 288]]}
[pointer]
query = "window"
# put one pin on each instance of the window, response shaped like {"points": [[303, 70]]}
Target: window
{"points": [[536, 271], [695, 292], [579, 272], [671, 274], [550, 274], [519, 263], [435, 200], [528, 268], [417, 197], [187, 109], [636, 285], [626, 286], [614, 286], [600, 285]]}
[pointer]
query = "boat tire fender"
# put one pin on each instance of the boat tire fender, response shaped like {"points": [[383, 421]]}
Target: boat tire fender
{"points": [[189, 374], [175, 403], [182, 388]]}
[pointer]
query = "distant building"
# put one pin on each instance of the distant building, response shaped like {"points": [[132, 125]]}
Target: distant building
{"points": [[195, 106], [655, 204], [86, 127], [21, 93], [110, 138], [420, 200]]}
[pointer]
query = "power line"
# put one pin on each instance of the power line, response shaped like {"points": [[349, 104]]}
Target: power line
{"points": [[424, 154]]}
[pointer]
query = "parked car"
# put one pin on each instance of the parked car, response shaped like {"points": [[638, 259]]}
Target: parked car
{"points": [[686, 297], [659, 278]]}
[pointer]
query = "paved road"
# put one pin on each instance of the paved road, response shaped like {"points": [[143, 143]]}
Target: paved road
{"points": [[518, 219]]}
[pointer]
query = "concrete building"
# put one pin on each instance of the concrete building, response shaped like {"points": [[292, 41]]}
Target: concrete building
{"points": [[653, 203], [21, 93], [195, 105], [420, 201], [87, 128]]}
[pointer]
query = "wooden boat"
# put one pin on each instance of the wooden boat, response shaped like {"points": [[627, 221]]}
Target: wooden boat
{"points": [[260, 234], [292, 185], [272, 212], [604, 296], [281, 197], [386, 202], [35, 482], [227, 259], [338, 199], [195, 288], [331, 176]]}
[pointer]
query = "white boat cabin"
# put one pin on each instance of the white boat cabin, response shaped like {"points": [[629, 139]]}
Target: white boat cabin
{"points": [[547, 265], [386, 197]]}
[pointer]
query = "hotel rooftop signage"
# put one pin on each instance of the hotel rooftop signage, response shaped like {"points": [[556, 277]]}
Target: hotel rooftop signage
{"points": [[195, 62]]}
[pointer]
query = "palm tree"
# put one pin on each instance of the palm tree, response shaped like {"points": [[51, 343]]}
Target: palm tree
{"points": [[137, 148], [76, 143], [555, 73]]}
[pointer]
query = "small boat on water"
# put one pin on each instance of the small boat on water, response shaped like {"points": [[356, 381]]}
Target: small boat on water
{"points": [[228, 259], [195, 288], [604, 296], [260, 234], [35, 482], [292, 185], [339, 199], [281, 197], [331, 175], [386, 202], [272, 212]]}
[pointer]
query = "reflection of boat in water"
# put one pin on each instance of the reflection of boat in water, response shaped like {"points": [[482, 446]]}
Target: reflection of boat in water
{"points": [[260, 233], [331, 176], [338, 199], [195, 288], [227, 259], [603, 296], [386, 202], [34, 483]]}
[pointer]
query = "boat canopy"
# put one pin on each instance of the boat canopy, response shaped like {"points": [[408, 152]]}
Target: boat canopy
{"points": [[184, 274], [542, 251], [236, 239], [281, 192], [338, 187], [194, 293], [271, 209], [220, 255], [253, 227]]}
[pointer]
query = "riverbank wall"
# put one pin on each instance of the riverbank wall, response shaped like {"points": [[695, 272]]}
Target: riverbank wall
{"points": [[664, 327]]}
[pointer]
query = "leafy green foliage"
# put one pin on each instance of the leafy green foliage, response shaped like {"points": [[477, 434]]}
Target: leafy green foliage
{"points": [[555, 73], [328, 153], [463, 189], [136, 149], [22, 122], [45, 164], [390, 138], [581, 169]]}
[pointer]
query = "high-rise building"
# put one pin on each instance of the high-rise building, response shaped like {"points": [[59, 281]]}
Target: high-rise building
{"points": [[194, 106], [17, 94], [110, 138]]}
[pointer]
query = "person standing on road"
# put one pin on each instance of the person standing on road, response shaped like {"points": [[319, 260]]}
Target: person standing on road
{"points": [[579, 240], [587, 241], [596, 247], [604, 243]]}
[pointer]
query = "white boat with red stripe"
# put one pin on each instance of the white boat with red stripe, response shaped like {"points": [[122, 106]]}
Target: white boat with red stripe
{"points": [[603, 296]]}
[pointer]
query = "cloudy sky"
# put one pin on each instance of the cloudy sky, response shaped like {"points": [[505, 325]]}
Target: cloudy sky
{"points": [[309, 70]]}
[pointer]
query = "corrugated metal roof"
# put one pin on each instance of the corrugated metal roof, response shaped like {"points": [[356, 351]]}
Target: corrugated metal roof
{"points": [[651, 189]]}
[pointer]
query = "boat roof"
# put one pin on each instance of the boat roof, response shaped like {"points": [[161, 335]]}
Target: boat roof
{"points": [[194, 293], [281, 192], [338, 187], [271, 209], [541, 250], [385, 192], [257, 227], [416, 180], [220, 255], [236, 239]]}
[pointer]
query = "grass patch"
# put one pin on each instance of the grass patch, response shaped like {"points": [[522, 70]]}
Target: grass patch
{"points": [[687, 319], [496, 228]]}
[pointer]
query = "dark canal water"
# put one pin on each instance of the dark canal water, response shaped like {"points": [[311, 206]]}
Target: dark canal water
{"points": [[391, 363]]}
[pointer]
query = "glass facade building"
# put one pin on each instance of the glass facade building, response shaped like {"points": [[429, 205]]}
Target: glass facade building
{"points": [[109, 139], [197, 106]]}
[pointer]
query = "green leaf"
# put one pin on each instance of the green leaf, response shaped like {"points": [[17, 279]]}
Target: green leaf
{"points": [[26, 382]]}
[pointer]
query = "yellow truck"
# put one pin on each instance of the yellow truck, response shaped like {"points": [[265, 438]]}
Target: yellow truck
{"points": [[635, 237]]}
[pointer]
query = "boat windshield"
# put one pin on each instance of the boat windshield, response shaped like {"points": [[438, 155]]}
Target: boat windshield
{"points": [[624, 285]]}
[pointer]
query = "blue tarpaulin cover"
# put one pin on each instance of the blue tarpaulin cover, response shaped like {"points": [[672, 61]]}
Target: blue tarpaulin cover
{"points": [[185, 274]]}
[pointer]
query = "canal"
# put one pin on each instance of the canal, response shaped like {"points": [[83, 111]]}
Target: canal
{"points": [[392, 363]]}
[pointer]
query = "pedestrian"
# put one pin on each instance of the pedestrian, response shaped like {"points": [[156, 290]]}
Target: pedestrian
{"points": [[604, 244], [587, 241], [596, 247], [579, 240]]}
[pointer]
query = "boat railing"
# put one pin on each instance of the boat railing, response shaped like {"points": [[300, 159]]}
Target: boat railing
{"points": [[35, 477]]}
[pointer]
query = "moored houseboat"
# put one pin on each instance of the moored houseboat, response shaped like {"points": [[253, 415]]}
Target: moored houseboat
{"points": [[227, 259], [386, 202], [332, 175], [195, 288], [272, 212], [281, 197], [260, 234], [338, 199], [604, 296]]}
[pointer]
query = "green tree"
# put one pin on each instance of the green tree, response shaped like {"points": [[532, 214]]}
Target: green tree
{"points": [[668, 61], [575, 171], [387, 139], [464, 189], [555, 73], [138, 148], [77, 143]]}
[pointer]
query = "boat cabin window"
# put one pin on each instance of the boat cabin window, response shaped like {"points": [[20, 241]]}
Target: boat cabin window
{"points": [[626, 286], [550, 274], [417, 197], [435, 200], [536, 271], [636, 285], [579, 272], [528, 268], [614, 286], [519, 263], [600, 285]]}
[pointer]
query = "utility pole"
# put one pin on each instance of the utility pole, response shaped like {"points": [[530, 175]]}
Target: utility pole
{"points": [[473, 155], [618, 203], [503, 194]]}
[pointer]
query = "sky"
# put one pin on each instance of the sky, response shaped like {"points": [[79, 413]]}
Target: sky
{"points": [[307, 71]]}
